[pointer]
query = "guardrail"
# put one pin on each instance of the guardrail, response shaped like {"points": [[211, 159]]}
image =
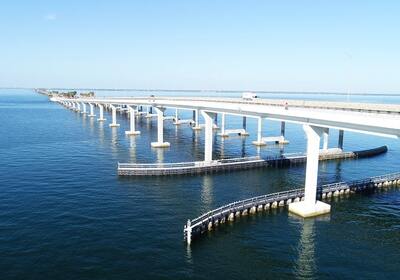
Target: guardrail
{"points": [[185, 164], [326, 105]]}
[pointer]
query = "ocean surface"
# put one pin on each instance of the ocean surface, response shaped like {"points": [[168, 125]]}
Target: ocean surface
{"points": [[65, 214]]}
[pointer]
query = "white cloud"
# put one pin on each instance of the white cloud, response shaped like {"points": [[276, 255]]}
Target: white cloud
{"points": [[50, 17]]}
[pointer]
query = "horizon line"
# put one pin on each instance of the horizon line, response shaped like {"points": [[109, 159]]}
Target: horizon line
{"points": [[207, 90]]}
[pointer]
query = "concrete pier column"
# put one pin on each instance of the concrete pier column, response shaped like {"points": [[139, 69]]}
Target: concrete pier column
{"points": [[114, 116], [101, 118], [84, 108], [91, 110], [208, 143], [188, 230], [325, 139], [160, 130], [244, 122], [176, 115], [283, 129], [259, 141], [196, 120], [78, 106], [132, 120], [340, 141], [310, 206], [222, 133]]}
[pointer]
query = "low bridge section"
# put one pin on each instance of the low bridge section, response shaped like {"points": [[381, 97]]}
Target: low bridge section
{"points": [[232, 211], [201, 167]]}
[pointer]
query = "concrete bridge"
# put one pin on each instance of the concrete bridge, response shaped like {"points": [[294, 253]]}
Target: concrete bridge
{"points": [[316, 117]]}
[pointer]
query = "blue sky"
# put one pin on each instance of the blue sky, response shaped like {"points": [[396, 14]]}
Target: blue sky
{"points": [[334, 46]]}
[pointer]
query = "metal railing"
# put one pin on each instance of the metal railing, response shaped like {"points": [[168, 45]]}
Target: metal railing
{"points": [[268, 198], [186, 164]]}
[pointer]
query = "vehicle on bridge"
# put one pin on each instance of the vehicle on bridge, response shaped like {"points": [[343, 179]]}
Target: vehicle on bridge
{"points": [[249, 96]]}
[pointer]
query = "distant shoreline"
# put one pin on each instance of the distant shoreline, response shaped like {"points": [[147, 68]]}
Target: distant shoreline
{"points": [[218, 91]]}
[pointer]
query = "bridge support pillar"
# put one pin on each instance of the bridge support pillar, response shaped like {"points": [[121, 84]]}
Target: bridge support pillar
{"points": [[259, 141], [132, 120], [208, 145], [188, 230], [84, 108], [91, 110], [160, 130], [196, 120], [283, 130], [114, 116], [310, 206], [78, 107], [222, 133], [325, 139], [176, 120], [340, 142], [101, 118]]}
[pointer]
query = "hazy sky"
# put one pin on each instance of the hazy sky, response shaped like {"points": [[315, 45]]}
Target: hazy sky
{"points": [[294, 45]]}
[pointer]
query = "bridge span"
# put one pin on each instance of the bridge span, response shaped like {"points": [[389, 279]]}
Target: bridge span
{"points": [[315, 117]]}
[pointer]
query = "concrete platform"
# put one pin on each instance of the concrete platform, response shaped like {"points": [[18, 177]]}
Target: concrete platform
{"points": [[91, 116], [101, 120], [114, 124], [238, 132], [259, 143], [306, 210], [196, 127], [160, 145], [132, 132]]}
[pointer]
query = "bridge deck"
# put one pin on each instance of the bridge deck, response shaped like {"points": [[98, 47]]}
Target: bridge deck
{"points": [[201, 167], [243, 207]]}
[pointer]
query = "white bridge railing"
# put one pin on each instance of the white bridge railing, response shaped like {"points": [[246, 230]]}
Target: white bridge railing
{"points": [[234, 206], [186, 164], [291, 103]]}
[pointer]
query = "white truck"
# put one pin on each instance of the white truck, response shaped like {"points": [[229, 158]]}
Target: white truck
{"points": [[249, 96]]}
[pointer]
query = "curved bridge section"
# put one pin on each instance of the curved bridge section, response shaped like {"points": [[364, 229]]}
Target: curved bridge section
{"points": [[234, 210]]}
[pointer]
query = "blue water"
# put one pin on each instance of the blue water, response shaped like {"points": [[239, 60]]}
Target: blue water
{"points": [[65, 214]]}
